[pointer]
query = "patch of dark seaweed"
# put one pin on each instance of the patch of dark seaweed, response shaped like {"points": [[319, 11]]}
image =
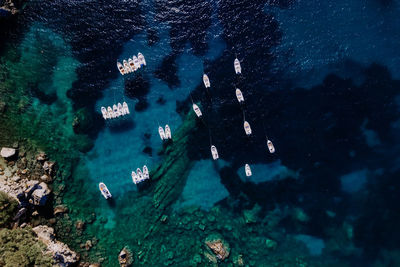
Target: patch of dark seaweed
{"points": [[167, 71]]}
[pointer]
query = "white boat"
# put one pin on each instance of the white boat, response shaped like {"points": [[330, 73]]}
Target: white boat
{"points": [[247, 170], [121, 110], [126, 66], [214, 152], [104, 191], [146, 174], [111, 114], [121, 68], [104, 112], [125, 107], [141, 59], [168, 132], [206, 81], [271, 147], [197, 110], [131, 64], [236, 64], [247, 127], [139, 175], [161, 133], [116, 112], [239, 95], [136, 62], [134, 177]]}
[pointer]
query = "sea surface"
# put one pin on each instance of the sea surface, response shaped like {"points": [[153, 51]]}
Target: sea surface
{"points": [[320, 80]]}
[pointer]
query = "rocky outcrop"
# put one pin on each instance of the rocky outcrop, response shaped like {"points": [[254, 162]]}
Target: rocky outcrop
{"points": [[218, 246], [7, 152], [10, 7], [61, 253], [40, 193]]}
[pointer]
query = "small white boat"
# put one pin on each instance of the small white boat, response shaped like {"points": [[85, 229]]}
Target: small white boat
{"points": [[121, 68], [214, 152], [239, 95], [104, 112], [139, 175], [126, 66], [247, 170], [136, 62], [168, 132], [161, 133], [134, 177], [116, 112], [247, 127], [121, 110], [104, 191], [146, 174], [271, 147], [206, 81], [131, 64], [111, 114], [236, 64], [125, 106], [141, 59], [197, 110]]}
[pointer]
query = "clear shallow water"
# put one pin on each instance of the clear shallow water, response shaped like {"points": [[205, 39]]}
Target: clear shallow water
{"points": [[335, 139]]}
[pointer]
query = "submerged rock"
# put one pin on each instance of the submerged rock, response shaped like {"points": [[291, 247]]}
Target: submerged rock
{"points": [[7, 152], [125, 257], [218, 246], [61, 253], [60, 209]]}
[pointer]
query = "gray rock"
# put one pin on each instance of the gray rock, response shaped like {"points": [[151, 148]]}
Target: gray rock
{"points": [[41, 194], [7, 152], [62, 254]]}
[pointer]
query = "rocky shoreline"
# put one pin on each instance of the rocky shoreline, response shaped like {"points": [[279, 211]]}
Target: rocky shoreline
{"points": [[27, 179]]}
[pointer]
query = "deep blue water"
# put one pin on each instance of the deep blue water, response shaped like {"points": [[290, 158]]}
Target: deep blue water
{"points": [[320, 79]]}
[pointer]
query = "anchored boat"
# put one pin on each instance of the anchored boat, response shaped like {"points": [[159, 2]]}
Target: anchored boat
{"points": [[239, 95], [121, 109], [116, 112], [110, 112], [146, 174], [247, 170], [121, 68], [271, 147], [247, 128], [134, 177], [104, 112], [139, 175], [126, 66], [141, 59], [214, 152], [167, 132], [104, 191], [125, 106], [136, 62], [131, 65], [161, 133], [197, 110], [238, 68], [206, 81]]}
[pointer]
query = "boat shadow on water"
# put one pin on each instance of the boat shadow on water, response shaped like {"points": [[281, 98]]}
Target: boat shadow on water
{"points": [[120, 125]]}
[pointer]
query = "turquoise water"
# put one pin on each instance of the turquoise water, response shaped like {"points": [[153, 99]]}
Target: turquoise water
{"points": [[319, 78]]}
